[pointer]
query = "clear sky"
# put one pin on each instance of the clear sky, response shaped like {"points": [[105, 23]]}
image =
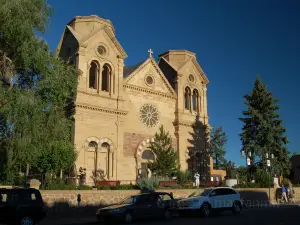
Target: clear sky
{"points": [[234, 40]]}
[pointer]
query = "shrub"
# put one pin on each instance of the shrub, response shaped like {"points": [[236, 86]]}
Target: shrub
{"points": [[184, 177], [150, 183], [125, 187], [263, 178], [286, 181]]}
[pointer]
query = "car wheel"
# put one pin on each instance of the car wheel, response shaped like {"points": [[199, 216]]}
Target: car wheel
{"points": [[236, 208], [128, 218], [167, 214], [26, 221], [205, 210]]}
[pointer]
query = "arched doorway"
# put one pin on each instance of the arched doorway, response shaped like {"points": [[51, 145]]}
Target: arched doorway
{"points": [[143, 156], [147, 156]]}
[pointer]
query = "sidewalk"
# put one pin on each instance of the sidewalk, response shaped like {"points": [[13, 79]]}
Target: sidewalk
{"points": [[69, 220]]}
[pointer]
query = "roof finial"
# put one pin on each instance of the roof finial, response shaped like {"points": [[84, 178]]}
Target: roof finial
{"points": [[150, 52]]}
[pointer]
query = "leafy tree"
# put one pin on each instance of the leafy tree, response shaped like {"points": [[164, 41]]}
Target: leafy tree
{"points": [[263, 131], [165, 163], [218, 139], [199, 148], [34, 86]]}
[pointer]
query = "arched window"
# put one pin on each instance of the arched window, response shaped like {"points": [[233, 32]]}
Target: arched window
{"points": [[93, 73], [195, 99], [148, 155], [93, 144], [106, 75], [187, 98], [105, 147]]}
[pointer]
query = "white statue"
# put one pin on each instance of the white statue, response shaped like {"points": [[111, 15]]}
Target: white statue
{"points": [[149, 173]]}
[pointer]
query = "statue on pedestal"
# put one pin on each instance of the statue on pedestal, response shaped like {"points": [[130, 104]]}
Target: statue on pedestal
{"points": [[149, 173]]}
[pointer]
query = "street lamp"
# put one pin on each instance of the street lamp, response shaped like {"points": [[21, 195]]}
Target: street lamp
{"points": [[269, 165]]}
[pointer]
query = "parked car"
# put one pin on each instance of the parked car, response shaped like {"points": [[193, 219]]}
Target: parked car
{"points": [[215, 199], [146, 205], [21, 206]]}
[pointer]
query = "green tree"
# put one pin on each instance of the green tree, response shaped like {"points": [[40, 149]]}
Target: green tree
{"points": [[165, 163], [199, 147], [263, 131], [218, 140], [33, 106]]}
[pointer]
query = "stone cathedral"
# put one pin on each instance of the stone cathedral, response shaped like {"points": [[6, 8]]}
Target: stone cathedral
{"points": [[119, 108]]}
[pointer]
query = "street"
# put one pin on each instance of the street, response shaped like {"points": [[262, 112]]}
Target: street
{"points": [[281, 215]]}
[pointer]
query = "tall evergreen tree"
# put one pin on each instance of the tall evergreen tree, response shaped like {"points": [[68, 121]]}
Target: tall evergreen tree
{"points": [[199, 147], [165, 163], [263, 132], [218, 140]]}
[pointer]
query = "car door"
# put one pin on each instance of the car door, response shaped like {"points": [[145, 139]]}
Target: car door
{"points": [[156, 205], [217, 198], [231, 196], [143, 206]]}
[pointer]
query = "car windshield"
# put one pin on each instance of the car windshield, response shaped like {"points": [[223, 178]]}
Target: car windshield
{"points": [[129, 200], [205, 192]]}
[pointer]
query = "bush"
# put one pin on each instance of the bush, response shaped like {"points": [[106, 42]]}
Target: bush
{"points": [[64, 187], [184, 177], [263, 178], [286, 181], [148, 183], [125, 187]]}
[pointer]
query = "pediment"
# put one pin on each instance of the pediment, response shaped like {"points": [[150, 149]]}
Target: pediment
{"points": [[191, 66], [110, 36], [147, 69]]}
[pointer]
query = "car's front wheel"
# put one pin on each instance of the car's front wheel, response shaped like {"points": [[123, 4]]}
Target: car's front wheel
{"points": [[26, 221], [236, 207], [128, 218], [205, 210]]}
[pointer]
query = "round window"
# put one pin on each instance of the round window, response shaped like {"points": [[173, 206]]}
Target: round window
{"points": [[149, 80], [191, 78], [101, 50]]}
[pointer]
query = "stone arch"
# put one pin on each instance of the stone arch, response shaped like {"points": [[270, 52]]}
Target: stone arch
{"points": [[143, 146], [109, 142], [90, 139]]}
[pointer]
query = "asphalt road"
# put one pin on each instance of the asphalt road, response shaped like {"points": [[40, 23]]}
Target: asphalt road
{"points": [[289, 215]]}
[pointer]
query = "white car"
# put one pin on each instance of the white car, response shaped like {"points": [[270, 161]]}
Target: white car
{"points": [[211, 199]]}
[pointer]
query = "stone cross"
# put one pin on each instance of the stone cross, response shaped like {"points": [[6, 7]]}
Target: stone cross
{"points": [[150, 52]]}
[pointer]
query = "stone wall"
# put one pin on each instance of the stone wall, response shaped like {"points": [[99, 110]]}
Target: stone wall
{"points": [[106, 197]]}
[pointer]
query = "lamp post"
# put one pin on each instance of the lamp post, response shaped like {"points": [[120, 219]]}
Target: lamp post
{"points": [[269, 165], [248, 158]]}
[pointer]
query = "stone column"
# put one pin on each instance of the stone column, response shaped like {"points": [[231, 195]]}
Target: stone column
{"points": [[110, 164], [205, 101], [100, 79]]}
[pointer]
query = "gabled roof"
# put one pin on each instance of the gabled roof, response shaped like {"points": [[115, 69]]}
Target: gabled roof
{"points": [[140, 66], [109, 30], [112, 37], [196, 64], [130, 69], [73, 32]]}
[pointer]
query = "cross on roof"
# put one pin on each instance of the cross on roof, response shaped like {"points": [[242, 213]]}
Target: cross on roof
{"points": [[150, 52]]}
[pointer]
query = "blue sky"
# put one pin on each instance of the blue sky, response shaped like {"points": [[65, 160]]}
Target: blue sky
{"points": [[234, 42]]}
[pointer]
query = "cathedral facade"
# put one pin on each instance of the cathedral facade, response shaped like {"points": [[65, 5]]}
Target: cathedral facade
{"points": [[120, 108]]}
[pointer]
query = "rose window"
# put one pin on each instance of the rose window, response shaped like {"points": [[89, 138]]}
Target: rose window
{"points": [[149, 115]]}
